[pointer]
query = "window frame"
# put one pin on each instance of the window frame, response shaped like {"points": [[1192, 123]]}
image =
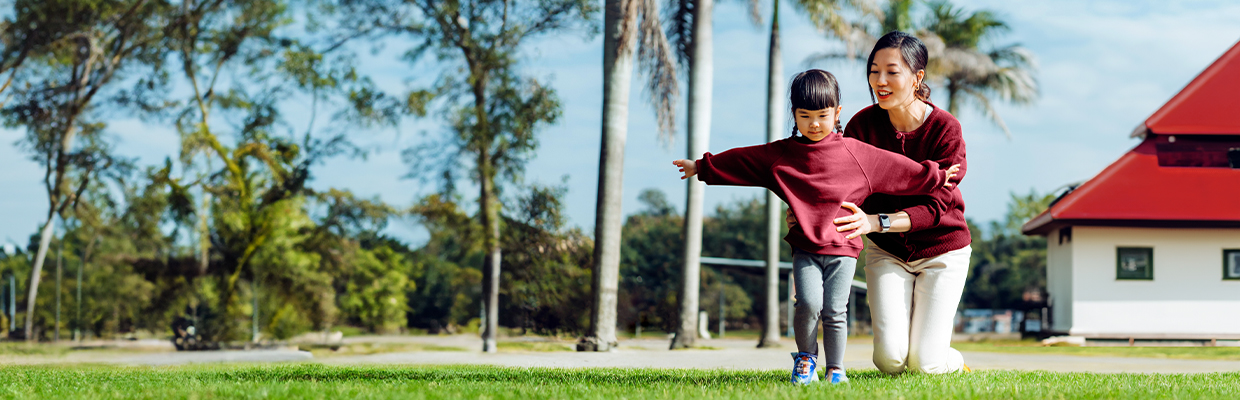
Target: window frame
{"points": [[1119, 267], [1226, 274]]}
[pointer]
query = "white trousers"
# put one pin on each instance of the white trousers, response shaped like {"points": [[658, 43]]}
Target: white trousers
{"points": [[913, 307]]}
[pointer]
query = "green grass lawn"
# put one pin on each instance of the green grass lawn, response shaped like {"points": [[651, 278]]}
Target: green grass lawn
{"points": [[1035, 347], [477, 382]]}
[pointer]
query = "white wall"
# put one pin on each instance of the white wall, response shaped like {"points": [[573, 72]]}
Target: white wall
{"points": [[1187, 295], [1059, 280]]}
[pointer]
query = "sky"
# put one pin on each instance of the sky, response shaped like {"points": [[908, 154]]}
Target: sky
{"points": [[1104, 67]]}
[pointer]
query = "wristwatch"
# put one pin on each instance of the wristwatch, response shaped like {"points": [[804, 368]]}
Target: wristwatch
{"points": [[884, 222]]}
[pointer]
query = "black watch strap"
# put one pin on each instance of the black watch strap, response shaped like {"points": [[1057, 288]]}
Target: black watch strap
{"points": [[884, 222]]}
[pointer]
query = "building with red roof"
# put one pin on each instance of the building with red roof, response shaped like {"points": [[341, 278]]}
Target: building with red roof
{"points": [[1150, 247]]}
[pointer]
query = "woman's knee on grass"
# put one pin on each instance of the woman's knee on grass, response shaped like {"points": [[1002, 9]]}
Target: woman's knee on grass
{"points": [[928, 365], [889, 364]]}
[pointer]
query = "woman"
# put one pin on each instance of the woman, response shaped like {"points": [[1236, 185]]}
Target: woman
{"points": [[919, 260]]}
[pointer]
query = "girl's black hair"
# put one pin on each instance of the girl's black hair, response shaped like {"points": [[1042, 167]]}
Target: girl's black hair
{"points": [[814, 90], [915, 56]]}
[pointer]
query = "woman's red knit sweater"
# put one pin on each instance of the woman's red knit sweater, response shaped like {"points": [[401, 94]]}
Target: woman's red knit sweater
{"points": [[815, 177], [938, 224]]}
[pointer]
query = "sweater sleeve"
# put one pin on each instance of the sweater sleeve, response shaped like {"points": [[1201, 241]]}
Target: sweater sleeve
{"points": [[949, 151], [742, 166], [893, 173]]}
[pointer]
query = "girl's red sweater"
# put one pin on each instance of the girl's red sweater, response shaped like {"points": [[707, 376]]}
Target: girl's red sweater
{"points": [[938, 224], [814, 178]]}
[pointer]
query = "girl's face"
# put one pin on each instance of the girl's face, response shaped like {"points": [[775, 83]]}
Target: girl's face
{"points": [[892, 81], [816, 124]]}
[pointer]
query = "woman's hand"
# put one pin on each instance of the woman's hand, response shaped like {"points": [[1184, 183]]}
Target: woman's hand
{"points": [[858, 221], [790, 219], [687, 166], [951, 173]]}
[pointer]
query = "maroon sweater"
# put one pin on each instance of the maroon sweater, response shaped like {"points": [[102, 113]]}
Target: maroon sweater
{"points": [[815, 177], [938, 224]]}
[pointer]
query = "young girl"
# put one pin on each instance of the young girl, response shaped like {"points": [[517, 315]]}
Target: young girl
{"points": [[818, 170]]}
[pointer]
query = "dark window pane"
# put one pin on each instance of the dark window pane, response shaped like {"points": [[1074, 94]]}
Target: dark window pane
{"points": [[1134, 263], [1231, 264]]}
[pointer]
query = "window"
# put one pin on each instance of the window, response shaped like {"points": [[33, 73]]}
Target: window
{"points": [[1134, 263], [1231, 264]]}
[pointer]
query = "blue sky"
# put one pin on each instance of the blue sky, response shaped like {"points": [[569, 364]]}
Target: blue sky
{"points": [[1105, 66]]}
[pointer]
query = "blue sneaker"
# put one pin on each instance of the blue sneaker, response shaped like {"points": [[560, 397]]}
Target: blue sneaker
{"points": [[837, 376], [804, 368]]}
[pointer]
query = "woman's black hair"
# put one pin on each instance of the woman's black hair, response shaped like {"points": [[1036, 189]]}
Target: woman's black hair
{"points": [[915, 56], [814, 90]]}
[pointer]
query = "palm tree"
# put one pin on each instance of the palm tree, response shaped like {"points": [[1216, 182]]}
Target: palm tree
{"points": [[626, 22], [774, 130], [972, 75], [690, 33]]}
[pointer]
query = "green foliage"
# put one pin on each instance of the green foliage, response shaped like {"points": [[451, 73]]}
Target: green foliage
{"points": [[651, 251], [1008, 268], [375, 291], [547, 267], [546, 273]]}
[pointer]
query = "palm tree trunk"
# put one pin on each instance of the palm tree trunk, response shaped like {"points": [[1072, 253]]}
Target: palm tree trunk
{"points": [[617, 78], [774, 128], [701, 74]]}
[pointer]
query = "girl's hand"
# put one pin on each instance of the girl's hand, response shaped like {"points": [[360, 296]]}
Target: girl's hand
{"points": [[858, 221], [951, 173], [790, 219], [689, 167]]}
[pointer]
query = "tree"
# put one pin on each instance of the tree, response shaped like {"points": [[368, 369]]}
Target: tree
{"points": [[70, 52], [494, 111], [973, 75], [1008, 268], [259, 190], [625, 22], [774, 131], [690, 31]]}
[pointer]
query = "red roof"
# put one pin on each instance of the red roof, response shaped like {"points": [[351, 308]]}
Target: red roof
{"points": [[1207, 106], [1192, 188], [1135, 191]]}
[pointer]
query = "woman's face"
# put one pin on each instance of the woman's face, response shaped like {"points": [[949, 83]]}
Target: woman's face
{"points": [[816, 124], [891, 80]]}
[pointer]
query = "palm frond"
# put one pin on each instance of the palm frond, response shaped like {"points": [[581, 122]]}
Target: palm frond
{"points": [[826, 15], [658, 60], [988, 111], [678, 22]]}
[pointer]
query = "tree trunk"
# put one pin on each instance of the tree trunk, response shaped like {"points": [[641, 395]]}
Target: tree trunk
{"points": [[774, 130], [617, 78], [45, 240], [489, 209], [701, 73]]}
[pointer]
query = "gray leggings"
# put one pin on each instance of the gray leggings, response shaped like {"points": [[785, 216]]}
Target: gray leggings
{"points": [[822, 284]]}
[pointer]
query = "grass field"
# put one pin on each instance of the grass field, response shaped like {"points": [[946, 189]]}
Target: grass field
{"points": [[1035, 347], [472, 382]]}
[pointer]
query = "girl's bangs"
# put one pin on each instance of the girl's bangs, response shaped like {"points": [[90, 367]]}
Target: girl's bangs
{"points": [[814, 90]]}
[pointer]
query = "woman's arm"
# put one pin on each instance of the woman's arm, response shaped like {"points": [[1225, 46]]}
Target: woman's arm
{"points": [[861, 222]]}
